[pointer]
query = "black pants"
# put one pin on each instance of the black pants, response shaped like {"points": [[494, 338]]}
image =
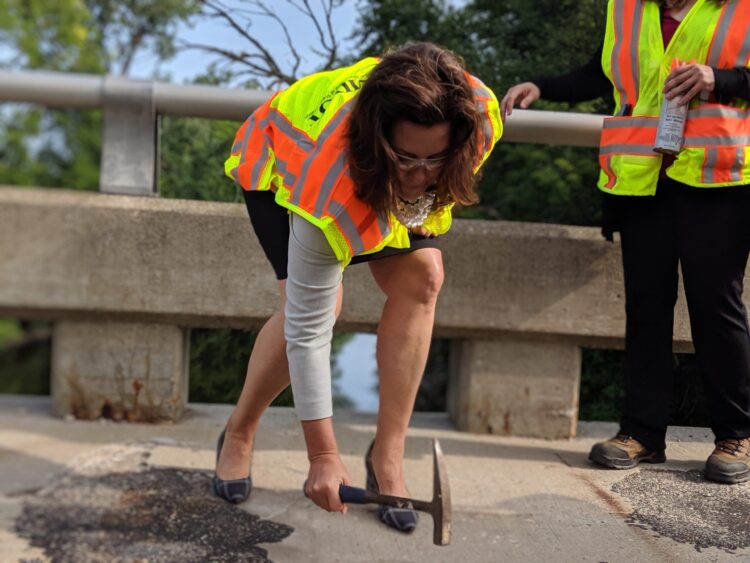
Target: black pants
{"points": [[706, 231]]}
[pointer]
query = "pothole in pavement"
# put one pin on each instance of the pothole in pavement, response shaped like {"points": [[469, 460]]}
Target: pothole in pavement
{"points": [[156, 514], [684, 506]]}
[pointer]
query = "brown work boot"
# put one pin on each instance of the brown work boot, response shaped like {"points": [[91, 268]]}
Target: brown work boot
{"points": [[624, 452], [730, 462]]}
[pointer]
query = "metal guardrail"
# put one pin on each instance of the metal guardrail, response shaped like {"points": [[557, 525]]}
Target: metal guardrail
{"points": [[57, 89]]}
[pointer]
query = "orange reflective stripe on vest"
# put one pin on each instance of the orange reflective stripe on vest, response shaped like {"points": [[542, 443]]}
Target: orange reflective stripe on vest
{"points": [[730, 45], [358, 223], [714, 124], [723, 164], [483, 96], [323, 165], [266, 128], [723, 132], [247, 136], [625, 69], [628, 135], [625, 136]]}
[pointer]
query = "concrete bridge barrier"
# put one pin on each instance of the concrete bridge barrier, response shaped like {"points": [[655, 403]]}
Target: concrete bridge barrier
{"points": [[125, 278]]}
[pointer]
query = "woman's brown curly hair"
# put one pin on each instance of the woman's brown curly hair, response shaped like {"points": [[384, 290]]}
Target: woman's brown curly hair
{"points": [[425, 84]]}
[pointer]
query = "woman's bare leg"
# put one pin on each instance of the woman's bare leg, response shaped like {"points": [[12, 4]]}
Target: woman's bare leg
{"points": [[411, 283]]}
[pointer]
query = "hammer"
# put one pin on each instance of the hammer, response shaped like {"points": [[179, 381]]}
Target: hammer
{"points": [[439, 507]]}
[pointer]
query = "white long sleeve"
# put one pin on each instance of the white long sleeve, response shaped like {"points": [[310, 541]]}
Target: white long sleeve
{"points": [[314, 275]]}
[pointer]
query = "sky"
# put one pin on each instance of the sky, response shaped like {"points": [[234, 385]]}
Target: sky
{"points": [[356, 360], [190, 63]]}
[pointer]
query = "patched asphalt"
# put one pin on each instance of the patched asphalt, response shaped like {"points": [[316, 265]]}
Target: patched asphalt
{"points": [[684, 506], [84, 491], [152, 514]]}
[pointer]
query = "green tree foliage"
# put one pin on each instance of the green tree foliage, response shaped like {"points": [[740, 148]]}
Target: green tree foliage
{"points": [[218, 362], [123, 28], [93, 36], [49, 35], [62, 147], [387, 23], [25, 353], [192, 159], [602, 390]]}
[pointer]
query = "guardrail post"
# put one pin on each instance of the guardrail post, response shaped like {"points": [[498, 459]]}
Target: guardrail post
{"points": [[122, 370], [515, 387], [130, 147], [134, 372]]}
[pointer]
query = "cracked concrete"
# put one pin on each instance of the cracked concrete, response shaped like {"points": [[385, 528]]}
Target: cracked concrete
{"points": [[85, 491]]}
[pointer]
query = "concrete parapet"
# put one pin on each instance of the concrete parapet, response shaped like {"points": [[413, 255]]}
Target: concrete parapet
{"points": [[122, 371], [521, 297], [67, 254]]}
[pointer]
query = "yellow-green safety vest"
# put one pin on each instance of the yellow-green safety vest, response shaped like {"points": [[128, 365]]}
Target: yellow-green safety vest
{"points": [[717, 136], [295, 145]]}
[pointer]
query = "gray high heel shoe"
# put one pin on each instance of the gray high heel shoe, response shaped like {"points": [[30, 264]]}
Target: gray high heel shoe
{"points": [[403, 518], [231, 490]]}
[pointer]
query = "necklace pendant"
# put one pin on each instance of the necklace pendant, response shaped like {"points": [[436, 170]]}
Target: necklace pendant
{"points": [[413, 213]]}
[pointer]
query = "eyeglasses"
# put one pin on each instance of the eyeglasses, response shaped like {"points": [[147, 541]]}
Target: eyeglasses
{"points": [[408, 163]]}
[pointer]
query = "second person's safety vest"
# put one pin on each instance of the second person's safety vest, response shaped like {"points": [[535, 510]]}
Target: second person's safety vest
{"points": [[717, 136], [295, 145]]}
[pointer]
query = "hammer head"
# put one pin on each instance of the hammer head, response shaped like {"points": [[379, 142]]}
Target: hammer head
{"points": [[441, 498]]}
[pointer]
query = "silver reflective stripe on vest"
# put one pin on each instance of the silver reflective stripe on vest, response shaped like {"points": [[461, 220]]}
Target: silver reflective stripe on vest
{"points": [[263, 160], [716, 141], [634, 42], [281, 168], [709, 166], [744, 55], [486, 127], [385, 228], [338, 211], [739, 163], [329, 183], [343, 112], [248, 129], [611, 178], [719, 111], [619, 21], [258, 167], [481, 91], [302, 141], [631, 122], [282, 124], [720, 35], [647, 150], [347, 226], [712, 157]]}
